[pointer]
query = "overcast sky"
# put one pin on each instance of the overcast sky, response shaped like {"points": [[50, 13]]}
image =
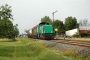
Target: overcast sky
{"points": [[28, 13]]}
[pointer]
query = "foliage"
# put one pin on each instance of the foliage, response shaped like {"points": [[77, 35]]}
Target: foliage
{"points": [[27, 32], [5, 12], [77, 34], [16, 30], [84, 22], [59, 25], [89, 33], [71, 23], [46, 19], [84, 35], [7, 29]]}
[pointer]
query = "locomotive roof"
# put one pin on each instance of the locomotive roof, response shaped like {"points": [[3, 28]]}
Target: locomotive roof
{"points": [[43, 23]]}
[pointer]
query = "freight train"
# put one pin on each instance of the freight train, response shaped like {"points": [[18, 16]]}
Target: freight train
{"points": [[42, 31]]}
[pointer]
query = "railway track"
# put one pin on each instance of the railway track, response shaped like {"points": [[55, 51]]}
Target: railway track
{"points": [[73, 42]]}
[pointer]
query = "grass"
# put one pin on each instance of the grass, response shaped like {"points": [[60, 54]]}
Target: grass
{"points": [[78, 39], [27, 49]]}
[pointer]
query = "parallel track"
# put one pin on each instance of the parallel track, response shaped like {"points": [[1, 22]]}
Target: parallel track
{"points": [[73, 42]]}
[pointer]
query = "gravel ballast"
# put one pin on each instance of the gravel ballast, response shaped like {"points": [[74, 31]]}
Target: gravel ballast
{"points": [[61, 46]]}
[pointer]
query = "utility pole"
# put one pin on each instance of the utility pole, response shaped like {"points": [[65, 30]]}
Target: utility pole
{"points": [[53, 15], [53, 18], [53, 24]]}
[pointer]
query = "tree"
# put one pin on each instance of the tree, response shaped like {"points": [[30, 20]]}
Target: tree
{"points": [[60, 26], [7, 29], [5, 12], [16, 30], [46, 19], [71, 23], [84, 22]]}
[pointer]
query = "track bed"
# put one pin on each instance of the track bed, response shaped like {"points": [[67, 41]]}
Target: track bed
{"points": [[73, 42]]}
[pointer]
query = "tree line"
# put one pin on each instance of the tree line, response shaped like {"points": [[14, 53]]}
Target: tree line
{"points": [[7, 28], [70, 23]]}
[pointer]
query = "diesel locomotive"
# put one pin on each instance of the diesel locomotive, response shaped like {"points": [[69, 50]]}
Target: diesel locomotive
{"points": [[42, 31]]}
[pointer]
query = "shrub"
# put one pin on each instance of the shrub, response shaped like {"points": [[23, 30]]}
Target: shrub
{"points": [[76, 35]]}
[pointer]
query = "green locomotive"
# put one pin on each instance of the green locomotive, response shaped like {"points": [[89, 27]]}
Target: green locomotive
{"points": [[43, 31]]}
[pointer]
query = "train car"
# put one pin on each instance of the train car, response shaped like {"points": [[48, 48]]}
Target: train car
{"points": [[70, 33], [34, 32], [29, 33], [83, 31], [43, 31]]}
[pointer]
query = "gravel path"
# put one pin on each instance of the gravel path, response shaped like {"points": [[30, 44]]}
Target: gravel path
{"points": [[60, 46]]}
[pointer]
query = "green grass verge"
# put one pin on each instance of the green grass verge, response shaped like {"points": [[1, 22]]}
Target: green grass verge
{"points": [[27, 49]]}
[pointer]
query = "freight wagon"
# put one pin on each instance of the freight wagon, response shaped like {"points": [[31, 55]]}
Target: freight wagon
{"points": [[84, 29], [43, 31], [70, 33]]}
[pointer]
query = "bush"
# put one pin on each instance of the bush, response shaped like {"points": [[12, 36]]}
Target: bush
{"points": [[77, 35]]}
